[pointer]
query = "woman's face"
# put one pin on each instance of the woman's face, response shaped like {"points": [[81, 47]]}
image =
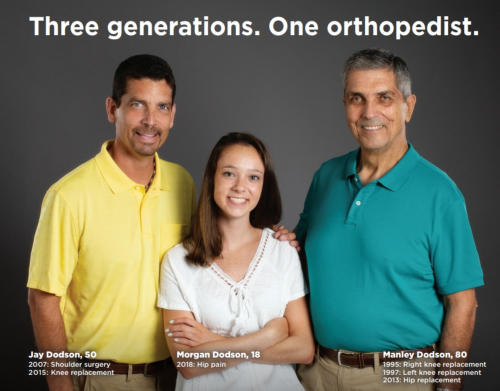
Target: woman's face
{"points": [[238, 181]]}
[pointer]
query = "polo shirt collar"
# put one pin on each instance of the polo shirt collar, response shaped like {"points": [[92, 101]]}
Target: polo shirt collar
{"points": [[351, 164], [116, 179], [396, 177], [159, 181]]}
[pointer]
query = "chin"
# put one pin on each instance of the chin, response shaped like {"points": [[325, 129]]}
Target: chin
{"points": [[373, 145], [150, 151], [234, 215]]}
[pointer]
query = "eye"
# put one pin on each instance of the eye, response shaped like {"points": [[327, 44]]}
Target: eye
{"points": [[355, 99], [254, 178], [136, 104], [385, 98], [165, 107], [227, 173]]}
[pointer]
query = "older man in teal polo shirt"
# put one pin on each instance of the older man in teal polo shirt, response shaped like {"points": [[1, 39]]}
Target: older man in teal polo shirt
{"points": [[391, 259]]}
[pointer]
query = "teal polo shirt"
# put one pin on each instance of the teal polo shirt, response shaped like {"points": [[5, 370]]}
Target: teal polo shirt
{"points": [[381, 256]]}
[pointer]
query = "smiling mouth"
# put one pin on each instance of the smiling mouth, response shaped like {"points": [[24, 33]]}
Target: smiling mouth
{"points": [[372, 127], [147, 136], [237, 200]]}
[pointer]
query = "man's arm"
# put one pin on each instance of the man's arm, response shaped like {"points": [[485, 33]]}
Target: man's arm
{"points": [[49, 331], [460, 316]]}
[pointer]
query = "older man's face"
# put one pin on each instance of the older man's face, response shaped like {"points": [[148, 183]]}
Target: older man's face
{"points": [[376, 110]]}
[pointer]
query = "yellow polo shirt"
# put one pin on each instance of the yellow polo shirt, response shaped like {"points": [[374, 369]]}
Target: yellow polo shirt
{"points": [[99, 243]]}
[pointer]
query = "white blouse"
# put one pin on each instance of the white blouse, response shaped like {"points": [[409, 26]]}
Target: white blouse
{"points": [[274, 278]]}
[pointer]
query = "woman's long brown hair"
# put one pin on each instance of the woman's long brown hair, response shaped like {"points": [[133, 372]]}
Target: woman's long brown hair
{"points": [[205, 241]]}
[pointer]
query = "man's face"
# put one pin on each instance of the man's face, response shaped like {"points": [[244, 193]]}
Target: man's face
{"points": [[144, 117], [376, 110]]}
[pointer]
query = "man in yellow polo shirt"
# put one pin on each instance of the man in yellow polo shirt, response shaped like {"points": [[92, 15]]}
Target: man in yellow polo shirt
{"points": [[103, 230]]}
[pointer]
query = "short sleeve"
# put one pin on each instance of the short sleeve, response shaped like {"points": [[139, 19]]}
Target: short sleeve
{"points": [[170, 295], [454, 257], [295, 286], [55, 246], [301, 229]]}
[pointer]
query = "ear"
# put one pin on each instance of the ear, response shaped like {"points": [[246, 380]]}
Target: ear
{"points": [[111, 109], [410, 104], [172, 115]]}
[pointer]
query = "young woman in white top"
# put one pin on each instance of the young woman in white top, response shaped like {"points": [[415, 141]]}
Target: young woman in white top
{"points": [[233, 296]]}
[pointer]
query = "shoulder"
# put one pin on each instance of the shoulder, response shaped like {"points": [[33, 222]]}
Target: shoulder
{"points": [[177, 253], [71, 185], [175, 264], [436, 180], [338, 161], [282, 251], [175, 172], [176, 257], [335, 165]]}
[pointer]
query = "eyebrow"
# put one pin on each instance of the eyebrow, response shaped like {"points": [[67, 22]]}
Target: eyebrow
{"points": [[384, 92], [135, 99], [251, 169]]}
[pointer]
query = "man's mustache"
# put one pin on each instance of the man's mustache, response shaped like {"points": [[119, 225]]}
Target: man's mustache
{"points": [[371, 122]]}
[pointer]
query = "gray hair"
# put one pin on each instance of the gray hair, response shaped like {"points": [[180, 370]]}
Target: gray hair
{"points": [[377, 59]]}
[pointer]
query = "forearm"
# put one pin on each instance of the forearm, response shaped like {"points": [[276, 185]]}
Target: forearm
{"points": [[209, 357], [298, 347], [48, 328], [192, 345], [293, 350], [457, 330]]}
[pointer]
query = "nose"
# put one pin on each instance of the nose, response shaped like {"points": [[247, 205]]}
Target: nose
{"points": [[148, 118], [370, 109], [238, 185]]}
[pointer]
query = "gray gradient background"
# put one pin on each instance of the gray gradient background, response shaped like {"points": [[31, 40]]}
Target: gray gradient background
{"points": [[284, 90]]}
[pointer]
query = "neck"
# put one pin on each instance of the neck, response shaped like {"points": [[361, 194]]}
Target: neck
{"points": [[137, 168], [373, 165], [236, 232]]}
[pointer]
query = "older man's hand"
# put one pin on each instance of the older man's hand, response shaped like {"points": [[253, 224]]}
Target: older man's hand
{"points": [[283, 234]]}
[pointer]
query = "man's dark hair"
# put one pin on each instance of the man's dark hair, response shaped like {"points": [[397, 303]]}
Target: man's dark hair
{"points": [[377, 59], [138, 67]]}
